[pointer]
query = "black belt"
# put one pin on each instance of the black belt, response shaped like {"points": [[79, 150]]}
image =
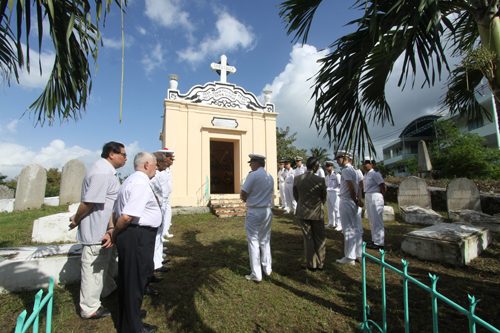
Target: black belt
{"points": [[143, 227]]}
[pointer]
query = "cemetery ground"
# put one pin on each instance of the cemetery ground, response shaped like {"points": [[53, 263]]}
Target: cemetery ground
{"points": [[206, 290]]}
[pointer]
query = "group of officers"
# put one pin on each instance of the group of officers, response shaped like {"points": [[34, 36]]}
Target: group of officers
{"points": [[306, 189], [130, 221]]}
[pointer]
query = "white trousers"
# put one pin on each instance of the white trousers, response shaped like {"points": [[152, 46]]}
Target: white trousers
{"points": [[332, 204], [167, 218], [282, 194], [375, 208], [98, 266], [158, 255], [258, 229], [353, 240], [289, 200]]}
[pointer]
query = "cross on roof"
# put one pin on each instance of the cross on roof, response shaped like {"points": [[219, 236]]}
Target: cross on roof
{"points": [[223, 68]]}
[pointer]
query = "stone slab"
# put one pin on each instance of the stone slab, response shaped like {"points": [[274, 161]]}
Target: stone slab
{"points": [[51, 201], [72, 176], [452, 243], [7, 205], [462, 193], [413, 192], [190, 210], [54, 228], [478, 219], [419, 215], [6, 193], [30, 187], [388, 214]]}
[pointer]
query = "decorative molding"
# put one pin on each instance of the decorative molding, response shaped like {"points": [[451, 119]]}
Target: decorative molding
{"points": [[221, 94]]}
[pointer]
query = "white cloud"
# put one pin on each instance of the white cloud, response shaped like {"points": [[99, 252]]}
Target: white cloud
{"points": [[116, 43], [153, 59], [141, 30], [12, 126], [168, 13], [34, 80], [231, 35]]}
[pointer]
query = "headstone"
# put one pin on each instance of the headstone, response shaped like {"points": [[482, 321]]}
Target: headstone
{"points": [[7, 205], [424, 161], [478, 219], [413, 192], [54, 228], [30, 187], [462, 193], [388, 214], [72, 176], [51, 201], [453, 243], [419, 215], [6, 193]]}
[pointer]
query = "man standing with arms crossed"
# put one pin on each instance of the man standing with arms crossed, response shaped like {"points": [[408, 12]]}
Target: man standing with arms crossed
{"points": [[99, 191], [257, 192], [332, 181]]}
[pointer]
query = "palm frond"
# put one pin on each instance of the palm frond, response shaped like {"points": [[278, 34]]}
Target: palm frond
{"points": [[298, 15]]}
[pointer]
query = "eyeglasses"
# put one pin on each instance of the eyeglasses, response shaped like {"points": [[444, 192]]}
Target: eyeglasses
{"points": [[123, 154]]}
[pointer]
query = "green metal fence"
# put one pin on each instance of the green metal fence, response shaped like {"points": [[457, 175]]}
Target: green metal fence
{"points": [[23, 326], [369, 325]]}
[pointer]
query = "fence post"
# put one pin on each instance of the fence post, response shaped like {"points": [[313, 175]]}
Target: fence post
{"points": [[48, 326], [384, 296], [472, 308], [434, 280], [405, 295]]}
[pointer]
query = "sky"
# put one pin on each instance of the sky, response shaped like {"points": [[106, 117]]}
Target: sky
{"points": [[165, 37]]}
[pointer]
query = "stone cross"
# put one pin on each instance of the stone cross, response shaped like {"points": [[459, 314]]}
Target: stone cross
{"points": [[223, 68]]}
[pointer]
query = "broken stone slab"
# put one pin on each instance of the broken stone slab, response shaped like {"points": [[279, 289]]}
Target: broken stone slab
{"points": [[455, 243], [478, 219], [419, 215], [54, 228], [388, 214]]}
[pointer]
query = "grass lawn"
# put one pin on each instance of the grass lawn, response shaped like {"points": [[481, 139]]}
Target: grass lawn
{"points": [[206, 290]]}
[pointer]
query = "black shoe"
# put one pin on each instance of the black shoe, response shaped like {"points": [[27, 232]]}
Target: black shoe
{"points": [[155, 279], [146, 328], [304, 266], [166, 261], [150, 291], [374, 247], [143, 314], [100, 313], [163, 269]]}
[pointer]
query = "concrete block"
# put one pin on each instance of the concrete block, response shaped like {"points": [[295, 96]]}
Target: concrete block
{"points": [[419, 215], [190, 210], [452, 243], [7, 205], [51, 201], [476, 218], [388, 214], [54, 228]]}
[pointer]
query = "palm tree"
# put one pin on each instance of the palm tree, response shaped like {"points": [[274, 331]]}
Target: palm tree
{"points": [[320, 153], [74, 37], [349, 89]]}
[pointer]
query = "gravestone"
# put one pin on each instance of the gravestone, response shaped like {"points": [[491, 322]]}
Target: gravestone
{"points": [[414, 201], [419, 215], [72, 176], [6, 193], [424, 161], [388, 214], [462, 193], [476, 218], [453, 243], [30, 187], [54, 228]]}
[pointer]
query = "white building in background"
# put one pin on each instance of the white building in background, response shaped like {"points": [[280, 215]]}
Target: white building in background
{"points": [[406, 146]]}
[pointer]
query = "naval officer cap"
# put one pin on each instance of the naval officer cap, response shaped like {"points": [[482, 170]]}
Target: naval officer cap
{"points": [[166, 151], [255, 157], [343, 153], [298, 158], [369, 159], [282, 160], [329, 163]]}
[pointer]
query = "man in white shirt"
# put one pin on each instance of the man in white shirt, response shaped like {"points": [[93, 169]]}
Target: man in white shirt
{"points": [[257, 193], [136, 218], [332, 180], [99, 192], [169, 159], [349, 203], [320, 173], [281, 181], [290, 202], [300, 169], [375, 188]]}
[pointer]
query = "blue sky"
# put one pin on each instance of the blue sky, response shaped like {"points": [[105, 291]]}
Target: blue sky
{"points": [[184, 37]]}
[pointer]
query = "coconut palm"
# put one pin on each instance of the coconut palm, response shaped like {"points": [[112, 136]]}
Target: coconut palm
{"points": [[74, 38], [349, 89], [320, 153]]}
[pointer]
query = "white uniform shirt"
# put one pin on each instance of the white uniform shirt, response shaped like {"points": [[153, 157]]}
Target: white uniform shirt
{"points": [[136, 199], [290, 175], [348, 173], [259, 187], [299, 171], [282, 175], [320, 173], [160, 185], [371, 181], [332, 182], [359, 174], [100, 187]]}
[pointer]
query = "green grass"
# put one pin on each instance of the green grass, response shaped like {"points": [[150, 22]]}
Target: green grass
{"points": [[206, 290]]}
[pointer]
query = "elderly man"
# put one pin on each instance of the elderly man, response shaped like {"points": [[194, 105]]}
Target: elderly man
{"points": [[310, 192], [332, 181], [289, 200], [99, 191], [257, 192], [281, 181], [375, 188], [349, 203], [136, 218]]}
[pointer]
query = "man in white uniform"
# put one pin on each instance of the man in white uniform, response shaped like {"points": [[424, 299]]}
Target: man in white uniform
{"points": [[257, 192], [359, 220], [281, 182], [348, 209], [289, 199], [169, 158], [332, 181], [320, 173], [300, 169], [99, 192], [375, 188], [136, 218]]}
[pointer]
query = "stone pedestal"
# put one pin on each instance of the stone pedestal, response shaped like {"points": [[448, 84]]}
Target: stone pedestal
{"points": [[452, 243], [419, 215], [54, 228], [476, 218]]}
